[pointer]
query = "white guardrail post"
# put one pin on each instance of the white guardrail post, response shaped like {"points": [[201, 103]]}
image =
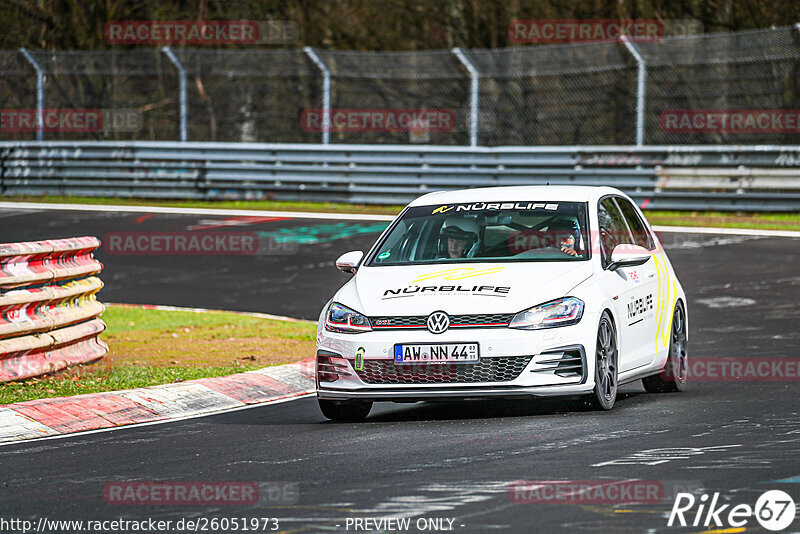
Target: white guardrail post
{"points": [[39, 93], [641, 87], [326, 93], [474, 79], [49, 315], [181, 90]]}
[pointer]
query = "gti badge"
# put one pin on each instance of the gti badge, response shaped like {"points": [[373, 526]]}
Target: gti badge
{"points": [[438, 322]]}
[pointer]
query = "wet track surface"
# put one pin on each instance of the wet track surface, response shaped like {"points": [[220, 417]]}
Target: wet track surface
{"points": [[434, 460]]}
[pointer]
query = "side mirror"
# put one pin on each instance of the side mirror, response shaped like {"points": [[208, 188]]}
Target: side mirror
{"points": [[348, 262], [627, 255]]}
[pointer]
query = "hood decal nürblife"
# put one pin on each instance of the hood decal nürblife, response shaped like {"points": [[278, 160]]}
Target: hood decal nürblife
{"points": [[484, 288]]}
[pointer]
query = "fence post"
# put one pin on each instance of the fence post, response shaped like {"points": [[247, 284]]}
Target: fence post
{"points": [[39, 93], [473, 95], [641, 78], [326, 93], [181, 89]]}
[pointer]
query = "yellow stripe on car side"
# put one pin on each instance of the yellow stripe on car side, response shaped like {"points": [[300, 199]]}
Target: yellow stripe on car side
{"points": [[667, 297]]}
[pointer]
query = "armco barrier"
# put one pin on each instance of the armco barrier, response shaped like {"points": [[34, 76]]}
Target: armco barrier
{"points": [[48, 310], [760, 178]]}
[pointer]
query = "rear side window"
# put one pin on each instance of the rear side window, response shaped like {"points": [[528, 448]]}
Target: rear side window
{"points": [[613, 230], [641, 236]]}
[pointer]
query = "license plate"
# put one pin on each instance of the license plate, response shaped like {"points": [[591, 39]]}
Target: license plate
{"points": [[436, 353]]}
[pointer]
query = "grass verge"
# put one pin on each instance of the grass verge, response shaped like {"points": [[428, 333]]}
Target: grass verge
{"points": [[717, 219], [150, 347], [764, 221]]}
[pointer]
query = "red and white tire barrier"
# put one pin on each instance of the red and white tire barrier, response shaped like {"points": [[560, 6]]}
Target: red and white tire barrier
{"points": [[65, 415], [48, 307]]}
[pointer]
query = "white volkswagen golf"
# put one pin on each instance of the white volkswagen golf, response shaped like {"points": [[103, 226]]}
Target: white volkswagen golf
{"points": [[504, 292]]}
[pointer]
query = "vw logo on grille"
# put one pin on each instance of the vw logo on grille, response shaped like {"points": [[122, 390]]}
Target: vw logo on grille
{"points": [[438, 322]]}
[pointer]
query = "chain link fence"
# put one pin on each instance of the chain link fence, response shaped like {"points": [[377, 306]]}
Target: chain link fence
{"points": [[17, 90], [581, 94], [749, 70], [249, 95], [387, 84], [707, 89]]}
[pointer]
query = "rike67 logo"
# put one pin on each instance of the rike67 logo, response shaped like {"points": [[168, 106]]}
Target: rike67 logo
{"points": [[774, 510]]}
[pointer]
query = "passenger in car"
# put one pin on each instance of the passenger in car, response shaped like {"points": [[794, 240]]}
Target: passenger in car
{"points": [[565, 233]]}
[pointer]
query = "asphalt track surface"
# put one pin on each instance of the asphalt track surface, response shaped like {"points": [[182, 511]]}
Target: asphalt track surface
{"points": [[427, 460]]}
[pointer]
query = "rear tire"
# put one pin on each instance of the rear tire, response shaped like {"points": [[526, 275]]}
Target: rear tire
{"points": [[350, 411], [673, 377], [605, 370]]}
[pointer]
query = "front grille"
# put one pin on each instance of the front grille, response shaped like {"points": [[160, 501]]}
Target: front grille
{"points": [[496, 369], [417, 321], [481, 320]]}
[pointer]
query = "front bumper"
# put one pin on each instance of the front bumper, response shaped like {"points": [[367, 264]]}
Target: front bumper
{"points": [[535, 378], [445, 392]]}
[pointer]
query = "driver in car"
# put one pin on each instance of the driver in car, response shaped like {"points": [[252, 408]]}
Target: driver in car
{"points": [[459, 238], [565, 233]]}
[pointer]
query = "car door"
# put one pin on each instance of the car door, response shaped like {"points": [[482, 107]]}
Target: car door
{"points": [[626, 286], [641, 315]]}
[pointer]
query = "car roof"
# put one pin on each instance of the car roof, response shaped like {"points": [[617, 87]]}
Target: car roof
{"points": [[528, 193]]}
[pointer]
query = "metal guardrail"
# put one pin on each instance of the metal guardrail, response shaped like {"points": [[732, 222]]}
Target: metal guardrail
{"points": [[48, 310], [760, 178]]}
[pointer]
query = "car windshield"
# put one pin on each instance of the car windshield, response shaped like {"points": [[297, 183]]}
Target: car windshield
{"points": [[486, 231]]}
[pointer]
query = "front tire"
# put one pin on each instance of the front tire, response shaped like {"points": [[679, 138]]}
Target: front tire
{"points": [[605, 370], [351, 411], [673, 377]]}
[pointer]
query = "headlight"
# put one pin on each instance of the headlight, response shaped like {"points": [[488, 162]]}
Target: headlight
{"points": [[559, 312], [342, 319]]}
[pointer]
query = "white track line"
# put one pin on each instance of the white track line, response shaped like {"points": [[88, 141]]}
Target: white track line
{"points": [[151, 423], [339, 216], [196, 211], [726, 231]]}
